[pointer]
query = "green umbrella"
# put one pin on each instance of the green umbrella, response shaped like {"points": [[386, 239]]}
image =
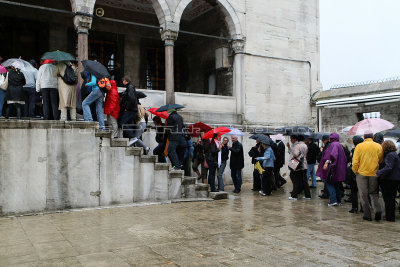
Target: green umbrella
{"points": [[58, 56]]}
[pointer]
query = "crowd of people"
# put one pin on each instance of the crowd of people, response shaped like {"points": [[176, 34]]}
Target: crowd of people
{"points": [[370, 167]]}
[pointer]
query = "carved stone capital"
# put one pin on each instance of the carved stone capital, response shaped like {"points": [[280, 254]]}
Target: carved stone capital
{"points": [[82, 23], [169, 37], [238, 46]]}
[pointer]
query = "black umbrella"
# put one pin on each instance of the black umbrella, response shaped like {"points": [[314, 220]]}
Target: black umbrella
{"points": [[265, 140], [96, 68], [318, 136], [393, 133], [298, 130], [140, 95], [256, 136], [169, 106]]}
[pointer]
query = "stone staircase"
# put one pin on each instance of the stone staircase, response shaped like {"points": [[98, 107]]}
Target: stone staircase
{"points": [[150, 183]]}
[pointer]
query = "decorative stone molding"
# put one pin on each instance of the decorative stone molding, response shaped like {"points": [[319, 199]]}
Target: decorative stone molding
{"points": [[169, 37], [238, 46], [82, 23]]}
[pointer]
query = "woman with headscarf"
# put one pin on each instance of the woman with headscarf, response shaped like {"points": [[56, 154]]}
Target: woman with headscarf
{"points": [[15, 92], [332, 169]]}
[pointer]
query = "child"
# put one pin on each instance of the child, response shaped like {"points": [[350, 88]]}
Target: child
{"points": [[111, 108]]}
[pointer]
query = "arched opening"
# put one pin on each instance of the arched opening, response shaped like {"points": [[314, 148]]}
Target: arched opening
{"points": [[28, 32], [207, 64]]}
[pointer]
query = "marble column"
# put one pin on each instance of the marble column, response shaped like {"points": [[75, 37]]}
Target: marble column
{"points": [[239, 75], [169, 37], [82, 26]]}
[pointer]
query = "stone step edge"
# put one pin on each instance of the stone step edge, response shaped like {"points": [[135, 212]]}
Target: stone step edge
{"points": [[183, 200]]}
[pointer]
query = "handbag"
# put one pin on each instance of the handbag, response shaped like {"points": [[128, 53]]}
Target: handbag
{"points": [[295, 164], [4, 82]]}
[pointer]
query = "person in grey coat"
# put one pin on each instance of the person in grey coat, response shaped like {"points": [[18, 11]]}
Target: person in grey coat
{"points": [[30, 90], [47, 84]]}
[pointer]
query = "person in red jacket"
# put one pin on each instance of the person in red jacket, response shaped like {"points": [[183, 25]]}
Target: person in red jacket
{"points": [[111, 108]]}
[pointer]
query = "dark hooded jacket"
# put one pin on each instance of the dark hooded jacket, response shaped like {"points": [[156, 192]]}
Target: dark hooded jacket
{"points": [[391, 169], [16, 81], [128, 99], [174, 127], [378, 138]]}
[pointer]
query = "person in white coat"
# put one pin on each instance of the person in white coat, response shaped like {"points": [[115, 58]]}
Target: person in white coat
{"points": [[47, 83]]}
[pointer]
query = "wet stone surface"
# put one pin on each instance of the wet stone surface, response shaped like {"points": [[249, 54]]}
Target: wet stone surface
{"points": [[244, 230]]}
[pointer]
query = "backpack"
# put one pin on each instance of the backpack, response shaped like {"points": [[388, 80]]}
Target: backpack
{"points": [[69, 76], [104, 83]]}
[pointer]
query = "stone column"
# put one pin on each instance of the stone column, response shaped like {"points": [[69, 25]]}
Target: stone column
{"points": [[169, 37], [238, 75], [82, 26]]}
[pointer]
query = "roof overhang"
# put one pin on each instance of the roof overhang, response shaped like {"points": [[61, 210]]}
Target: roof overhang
{"points": [[355, 101]]}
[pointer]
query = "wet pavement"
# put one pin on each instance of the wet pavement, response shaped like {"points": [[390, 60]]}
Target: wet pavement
{"points": [[245, 230]]}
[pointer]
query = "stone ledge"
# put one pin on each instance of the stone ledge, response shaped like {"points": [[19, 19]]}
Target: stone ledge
{"points": [[176, 174], [183, 200], [47, 124], [202, 187], [119, 142], [14, 124], [189, 180], [81, 125], [219, 195], [134, 151], [162, 166], [39, 124], [148, 159]]}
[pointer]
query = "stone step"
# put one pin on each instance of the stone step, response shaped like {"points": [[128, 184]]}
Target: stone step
{"points": [[202, 190], [183, 200], [189, 180], [119, 142], [202, 187], [176, 174], [134, 151], [162, 166], [103, 134], [148, 159], [219, 195]]}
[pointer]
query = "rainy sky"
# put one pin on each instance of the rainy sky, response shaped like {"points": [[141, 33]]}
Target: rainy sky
{"points": [[360, 40]]}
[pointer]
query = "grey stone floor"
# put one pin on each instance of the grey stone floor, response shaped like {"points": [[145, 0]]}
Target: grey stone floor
{"points": [[245, 230]]}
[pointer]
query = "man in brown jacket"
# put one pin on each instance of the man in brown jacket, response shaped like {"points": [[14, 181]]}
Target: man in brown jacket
{"points": [[299, 176]]}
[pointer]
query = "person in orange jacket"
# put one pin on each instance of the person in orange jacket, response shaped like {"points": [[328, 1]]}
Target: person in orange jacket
{"points": [[111, 108]]}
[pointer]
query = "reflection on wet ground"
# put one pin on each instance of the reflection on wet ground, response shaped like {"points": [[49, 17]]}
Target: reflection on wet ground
{"points": [[245, 230]]}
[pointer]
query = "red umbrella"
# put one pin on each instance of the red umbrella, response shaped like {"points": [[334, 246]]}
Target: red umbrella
{"points": [[162, 114], [219, 130], [370, 125], [196, 128]]}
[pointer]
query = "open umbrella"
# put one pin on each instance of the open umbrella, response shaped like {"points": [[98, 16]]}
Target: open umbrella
{"points": [[235, 131], [196, 128], [58, 56], [220, 131], [2, 69], [255, 136], [318, 136], [278, 137], [170, 106], [96, 68], [265, 140], [370, 125], [140, 95], [21, 64], [162, 114], [393, 133]]}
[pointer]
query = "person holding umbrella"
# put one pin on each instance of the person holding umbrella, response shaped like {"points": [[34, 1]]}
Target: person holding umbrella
{"points": [[129, 110], [66, 91], [268, 166]]}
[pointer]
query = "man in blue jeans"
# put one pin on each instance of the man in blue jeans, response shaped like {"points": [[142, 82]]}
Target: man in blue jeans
{"points": [[96, 96], [236, 163]]}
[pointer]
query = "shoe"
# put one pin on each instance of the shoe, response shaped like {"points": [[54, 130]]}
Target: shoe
{"points": [[333, 204], [378, 216], [146, 150], [353, 211], [307, 198], [367, 219], [292, 198], [132, 141], [262, 193]]}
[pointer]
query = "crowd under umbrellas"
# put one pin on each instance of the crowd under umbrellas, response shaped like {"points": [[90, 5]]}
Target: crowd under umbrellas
{"points": [[206, 149]]}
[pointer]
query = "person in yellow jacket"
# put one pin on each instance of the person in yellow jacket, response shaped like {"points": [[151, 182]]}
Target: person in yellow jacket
{"points": [[367, 157]]}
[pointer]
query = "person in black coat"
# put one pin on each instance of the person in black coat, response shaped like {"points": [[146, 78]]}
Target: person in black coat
{"points": [[279, 162], [255, 152], [312, 153], [198, 158], [128, 110], [236, 163], [351, 177], [159, 149], [211, 153], [389, 177], [325, 141], [177, 141], [15, 92]]}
